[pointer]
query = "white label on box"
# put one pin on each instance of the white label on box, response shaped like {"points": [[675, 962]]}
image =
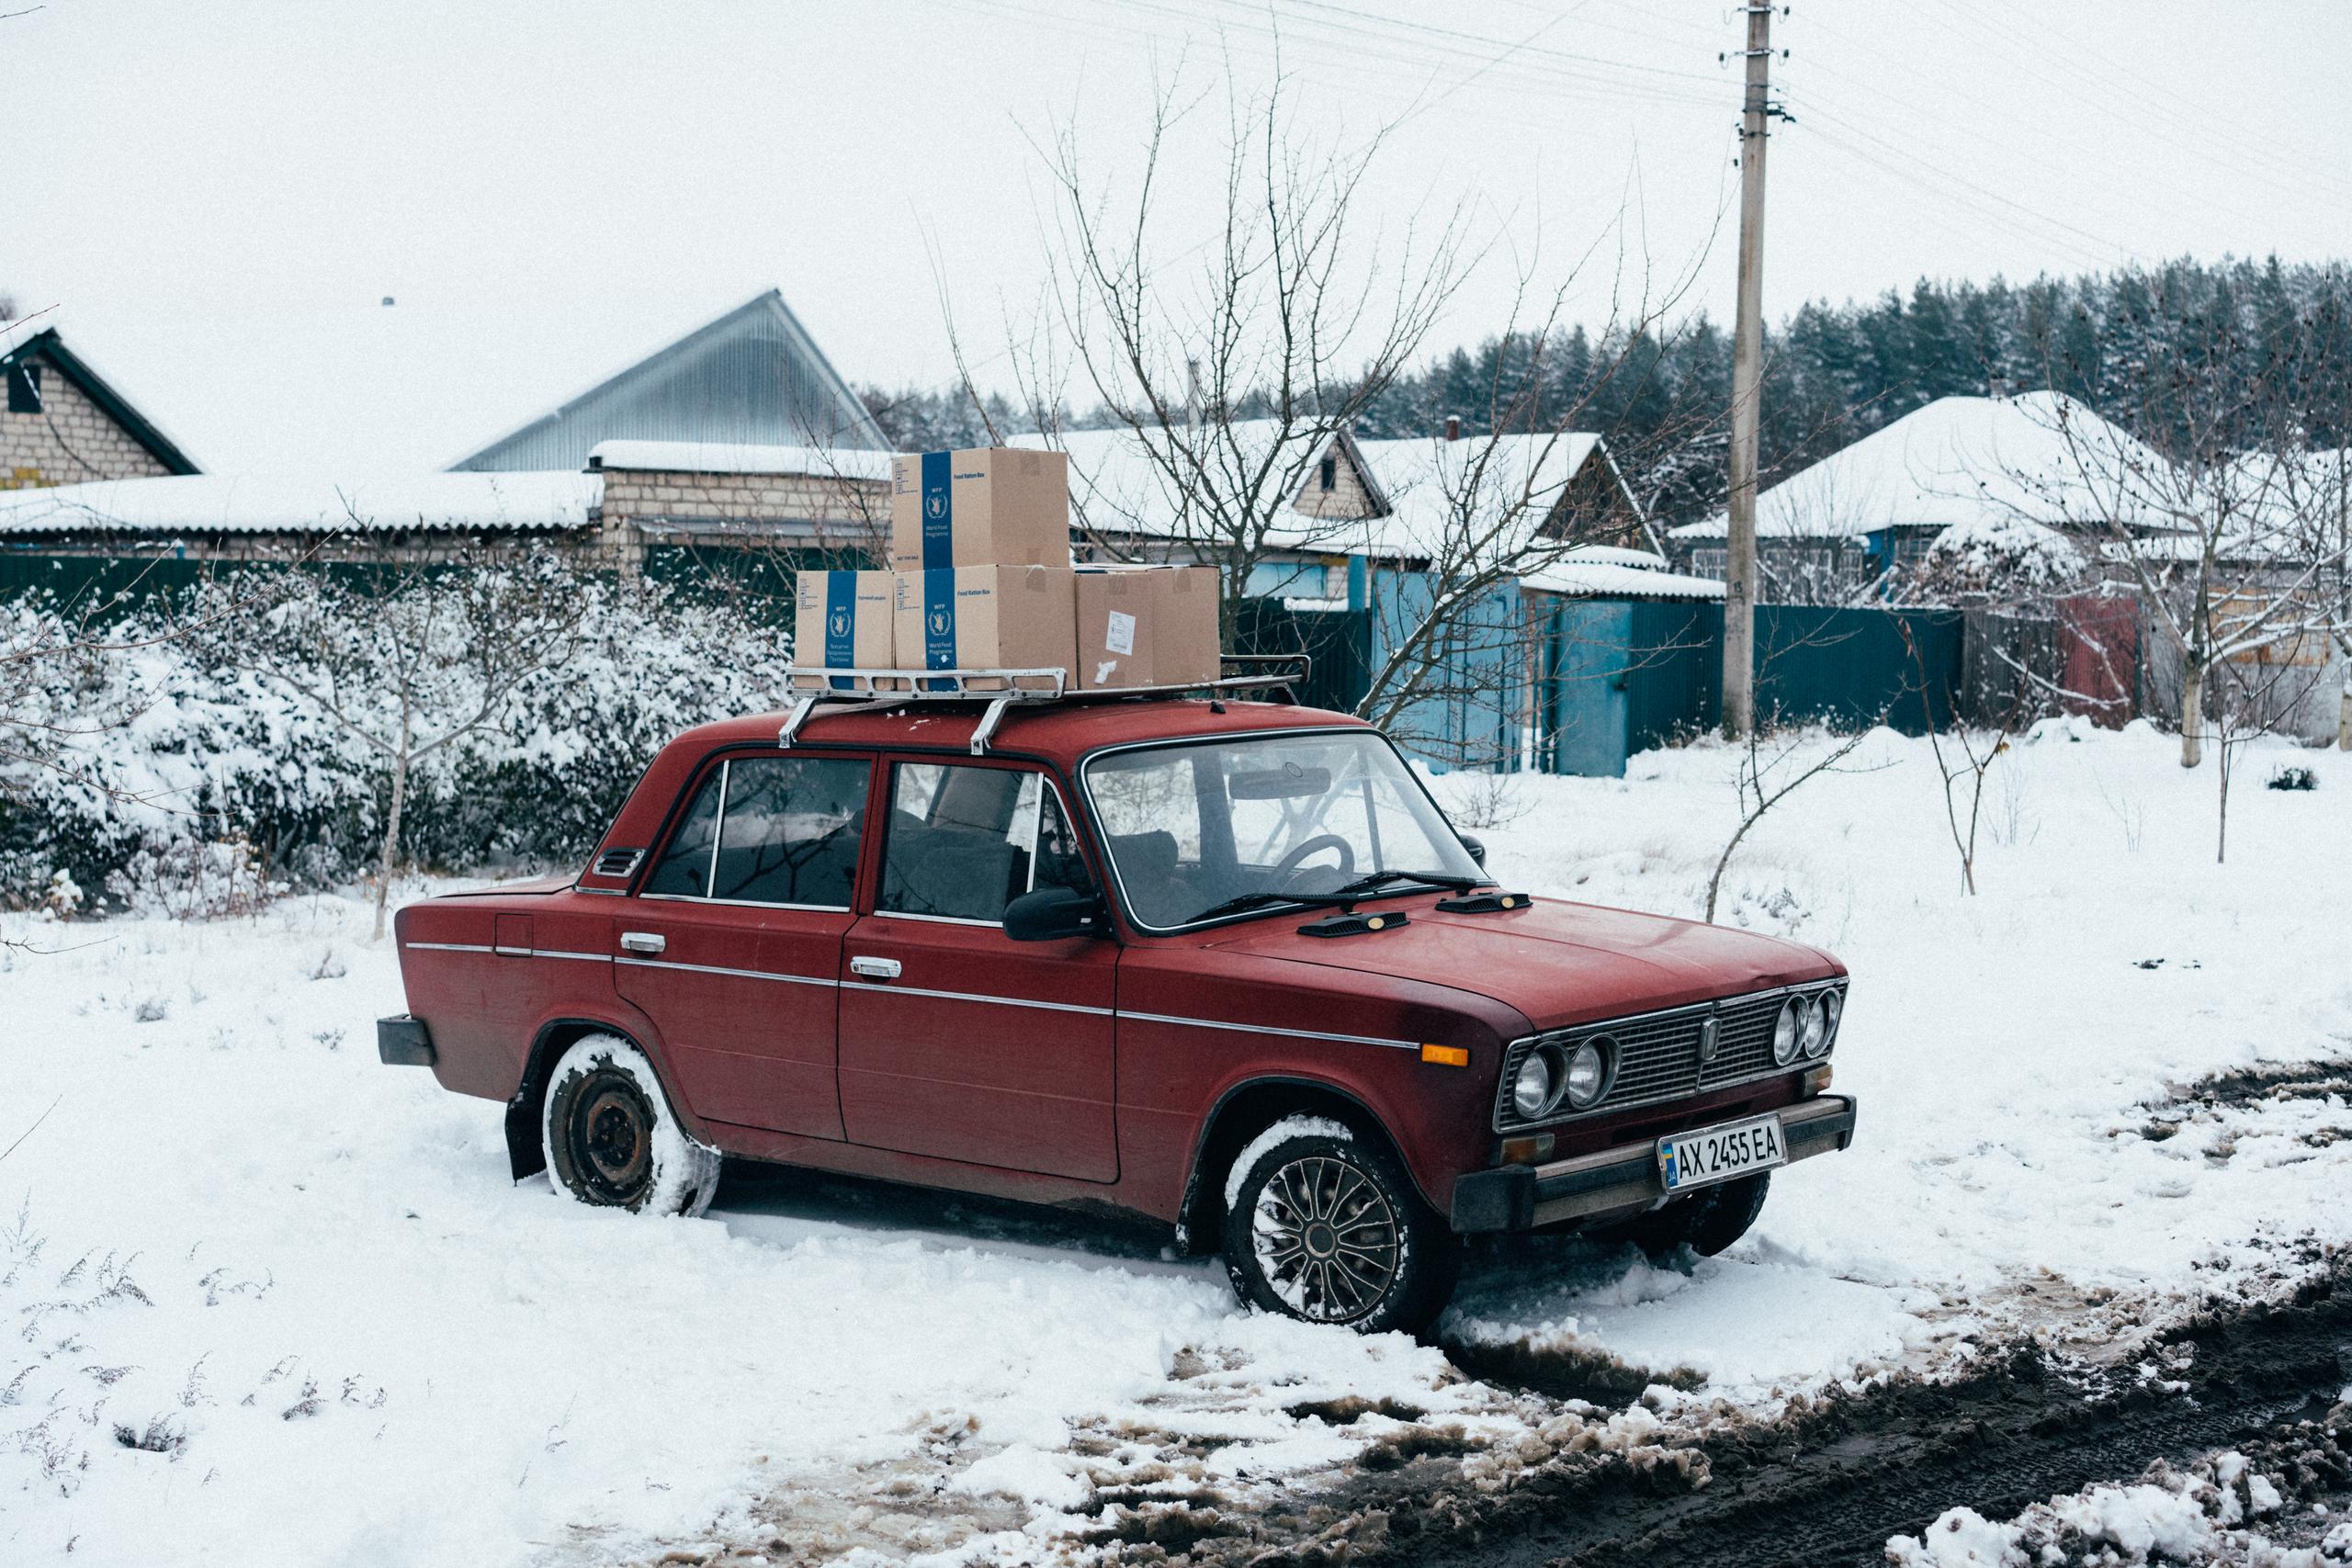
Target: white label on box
{"points": [[1121, 637]]}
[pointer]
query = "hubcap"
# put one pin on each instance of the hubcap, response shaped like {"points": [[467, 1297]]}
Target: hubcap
{"points": [[1325, 1237]]}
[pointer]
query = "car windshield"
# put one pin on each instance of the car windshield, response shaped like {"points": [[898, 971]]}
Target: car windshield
{"points": [[1200, 831]]}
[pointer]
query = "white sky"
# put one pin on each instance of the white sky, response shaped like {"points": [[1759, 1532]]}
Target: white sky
{"points": [[222, 158]]}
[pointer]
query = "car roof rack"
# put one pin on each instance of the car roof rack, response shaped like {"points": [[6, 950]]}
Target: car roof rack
{"points": [[1274, 674]]}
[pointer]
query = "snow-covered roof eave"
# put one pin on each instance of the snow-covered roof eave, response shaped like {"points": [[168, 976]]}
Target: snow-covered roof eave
{"points": [[229, 503], [719, 458]]}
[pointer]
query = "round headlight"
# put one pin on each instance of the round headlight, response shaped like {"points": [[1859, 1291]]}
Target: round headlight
{"points": [[1531, 1092], [1785, 1030], [1834, 1004], [1588, 1072], [1813, 1026]]}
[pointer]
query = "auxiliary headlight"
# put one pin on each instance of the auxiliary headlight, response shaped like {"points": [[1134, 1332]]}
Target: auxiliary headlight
{"points": [[1589, 1074], [1813, 1026], [1785, 1030], [1531, 1092]]}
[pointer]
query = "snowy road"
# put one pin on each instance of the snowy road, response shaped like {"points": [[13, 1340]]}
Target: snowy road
{"points": [[269, 1301]]}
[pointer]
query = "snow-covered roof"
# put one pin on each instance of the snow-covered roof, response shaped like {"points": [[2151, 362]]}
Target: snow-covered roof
{"points": [[227, 504], [720, 457], [1119, 483], [1502, 488], [1603, 571], [1957, 460], [1436, 487], [370, 388]]}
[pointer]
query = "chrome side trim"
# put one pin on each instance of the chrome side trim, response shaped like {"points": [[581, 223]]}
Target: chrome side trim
{"points": [[971, 997], [584, 957], [739, 903], [450, 946], [1269, 1029], [718, 969]]}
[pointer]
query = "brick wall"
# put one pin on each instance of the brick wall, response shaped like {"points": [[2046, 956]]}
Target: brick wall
{"points": [[822, 511], [70, 441]]}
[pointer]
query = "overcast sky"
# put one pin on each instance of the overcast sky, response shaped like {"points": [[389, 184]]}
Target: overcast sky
{"points": [[223, 158]]}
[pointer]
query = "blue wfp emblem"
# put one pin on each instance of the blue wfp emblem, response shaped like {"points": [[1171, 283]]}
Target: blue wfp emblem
{"points": [[839, 625], [939, 623], [934, 506]]}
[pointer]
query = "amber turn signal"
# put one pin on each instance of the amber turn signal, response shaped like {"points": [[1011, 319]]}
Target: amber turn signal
{"points": [[1816, 1080], [1446, 1055], [1528, 1151]]}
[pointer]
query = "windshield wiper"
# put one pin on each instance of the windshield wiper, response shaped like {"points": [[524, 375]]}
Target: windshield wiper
{"points": [[1348, 893], [1264, 897], [1364, 885]]}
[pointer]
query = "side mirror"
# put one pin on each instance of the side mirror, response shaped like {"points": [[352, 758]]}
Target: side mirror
{"points": [[1476, 847], [1052, 914]]}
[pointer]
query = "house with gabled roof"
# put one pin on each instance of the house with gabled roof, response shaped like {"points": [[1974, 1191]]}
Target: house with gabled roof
{"points": [[66, 424]]}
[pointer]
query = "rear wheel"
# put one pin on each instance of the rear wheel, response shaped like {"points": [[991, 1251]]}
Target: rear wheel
{"points": [[612, 1139], [1323, 1227], [1707, 1222]]}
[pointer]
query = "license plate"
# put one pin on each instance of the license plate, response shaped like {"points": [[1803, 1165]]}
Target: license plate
{"points": [[1718, 1153]]}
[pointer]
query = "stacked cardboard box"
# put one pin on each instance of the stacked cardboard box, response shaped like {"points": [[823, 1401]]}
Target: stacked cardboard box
{"points": [[981, 578]]}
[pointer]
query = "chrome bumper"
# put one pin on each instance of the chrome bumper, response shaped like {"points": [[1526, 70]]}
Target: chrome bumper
{"points": [[1624, 1179]]}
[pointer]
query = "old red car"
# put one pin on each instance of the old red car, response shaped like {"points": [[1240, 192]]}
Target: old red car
{"points": [[1220, 963]]}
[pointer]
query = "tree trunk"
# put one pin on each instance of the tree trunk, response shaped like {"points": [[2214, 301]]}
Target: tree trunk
{"points": [[391, 837], [2192, 717], [2343, 712]]}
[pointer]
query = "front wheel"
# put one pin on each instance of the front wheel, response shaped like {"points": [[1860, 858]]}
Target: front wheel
{"points": [[612, 1139], [1323, 1227]]}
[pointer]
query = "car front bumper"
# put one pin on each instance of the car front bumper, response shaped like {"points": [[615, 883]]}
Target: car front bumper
{"points": [[1619, 1181]]}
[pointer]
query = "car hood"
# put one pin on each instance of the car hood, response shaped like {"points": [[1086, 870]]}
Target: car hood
{"points": [[1557, 963]]}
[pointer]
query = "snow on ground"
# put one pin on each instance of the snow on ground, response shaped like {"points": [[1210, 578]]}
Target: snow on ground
{"points": [[267, 1300]]}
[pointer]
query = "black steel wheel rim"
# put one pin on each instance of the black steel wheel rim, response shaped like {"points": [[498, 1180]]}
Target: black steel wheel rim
{"points": [[1325, 1237], [610, 1132]]}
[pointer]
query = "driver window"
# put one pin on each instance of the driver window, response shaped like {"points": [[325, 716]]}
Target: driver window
{"points": [[965, 841]]}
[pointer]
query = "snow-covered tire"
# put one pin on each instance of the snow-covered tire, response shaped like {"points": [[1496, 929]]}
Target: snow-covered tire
{"points": [[612, 1139], [1707, 1222], [1322, 1225]]}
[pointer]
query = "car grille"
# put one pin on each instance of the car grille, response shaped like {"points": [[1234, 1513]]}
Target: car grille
{"points": [[1657, 1054]]}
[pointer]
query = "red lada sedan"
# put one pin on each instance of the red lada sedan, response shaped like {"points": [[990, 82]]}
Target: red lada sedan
{"points": [[1219, 963]]}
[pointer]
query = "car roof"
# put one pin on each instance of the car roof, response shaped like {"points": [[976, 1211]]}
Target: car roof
{"points": [[1059, 732]]}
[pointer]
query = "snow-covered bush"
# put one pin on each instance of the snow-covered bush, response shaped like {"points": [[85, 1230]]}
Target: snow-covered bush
{"points": [[1998, 561], [156, 765]]}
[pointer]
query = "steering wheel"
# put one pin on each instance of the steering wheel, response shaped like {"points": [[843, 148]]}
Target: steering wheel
{"points": [[1289, 862]]}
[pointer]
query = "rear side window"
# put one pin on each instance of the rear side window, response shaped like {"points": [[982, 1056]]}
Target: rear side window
{"points": [[770, 830], [790, 832], [967, 841]]}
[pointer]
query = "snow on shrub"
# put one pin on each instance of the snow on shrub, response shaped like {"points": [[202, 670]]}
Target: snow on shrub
{"points": [[145, 769]]}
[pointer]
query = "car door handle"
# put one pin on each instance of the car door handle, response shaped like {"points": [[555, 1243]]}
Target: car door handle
{"points": [[644, 942], [875, 968]]}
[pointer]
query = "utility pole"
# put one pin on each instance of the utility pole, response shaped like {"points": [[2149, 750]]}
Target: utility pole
{"points": [[1747, 373]]}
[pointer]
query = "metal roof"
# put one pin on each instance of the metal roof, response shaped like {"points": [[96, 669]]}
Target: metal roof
{"points": [[752, 378]]}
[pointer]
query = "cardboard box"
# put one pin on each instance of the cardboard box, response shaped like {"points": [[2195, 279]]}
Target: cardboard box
{"points": [[1146, 625], [844, 620], [1186, 647], [987, 506], [987, 617]]}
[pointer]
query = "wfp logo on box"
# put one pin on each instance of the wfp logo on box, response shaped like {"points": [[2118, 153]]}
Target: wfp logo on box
{"points": [[940, 620], [934, 505], [838, 624]]}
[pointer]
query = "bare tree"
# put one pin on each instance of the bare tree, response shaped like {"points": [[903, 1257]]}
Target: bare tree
{"points": [[2219, 534], [1767, 777], [1228, 365], [2256, 691], [410, 659]]}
